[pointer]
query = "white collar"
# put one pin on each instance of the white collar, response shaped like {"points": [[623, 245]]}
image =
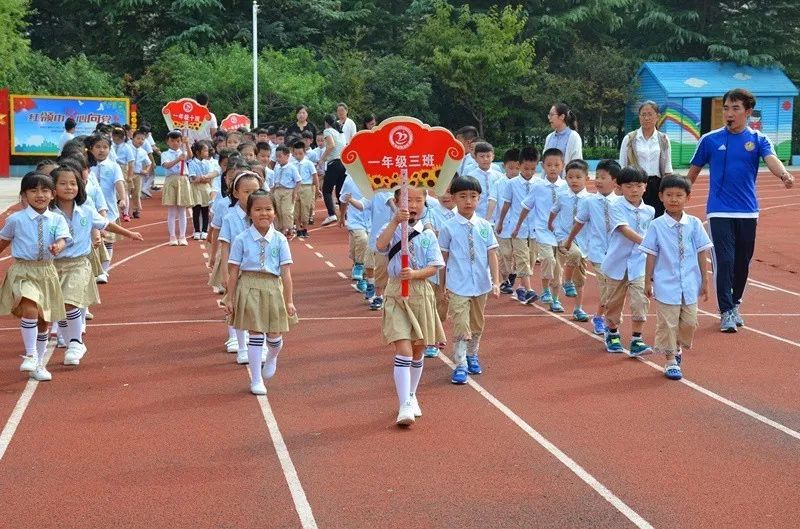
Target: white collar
{"points": [[672, 222], [631, 206], [75, 209], [640, 135], [239, 211], [257, 236], [581, 193], [33, 214], [462, 219]]}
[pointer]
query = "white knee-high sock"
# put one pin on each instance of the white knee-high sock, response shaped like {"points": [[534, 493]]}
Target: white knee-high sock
{"points": [[62, 327], [172, 216], [254, 347], [274, 346], [83, 320], [74, 326], [416, 375], [181, 223], [110, 249], [241, 337], [402, 378], [231, 332], [41, 346], [460, 353], [28, 328], [474, 344]]}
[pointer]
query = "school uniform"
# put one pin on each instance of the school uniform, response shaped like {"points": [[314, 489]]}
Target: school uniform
{"points": [[141, 163], [676, 278], [569, 142], [540, 201], [304, 207], [624, 263], [107, 174], [468, 242], [201, 192], [595, 214], [234, 223], [74, 265], [436, 215], [357, 223], [219, 209], [488, 180], [379, 211], [523, 246], [177, 190], [566, 209], [414, 318], [258, 301], [32, 275], [467, 164], [284, 181]]}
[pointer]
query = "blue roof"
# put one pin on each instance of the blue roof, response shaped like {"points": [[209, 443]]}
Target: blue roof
{"points": [[711, 79]]}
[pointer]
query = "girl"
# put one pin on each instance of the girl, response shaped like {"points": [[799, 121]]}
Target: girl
{"points": [[219, 209], [73, 265], [200, 176], [30, 288], [177, 193], [260, 287], [111, 181], [125, 155], [234, 223]]}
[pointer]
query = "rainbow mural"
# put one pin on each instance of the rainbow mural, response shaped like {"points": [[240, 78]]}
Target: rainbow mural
{"points": [[682, 118]]}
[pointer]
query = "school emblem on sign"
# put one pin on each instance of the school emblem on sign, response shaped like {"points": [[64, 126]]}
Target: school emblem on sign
{"points": [[749, 146]]}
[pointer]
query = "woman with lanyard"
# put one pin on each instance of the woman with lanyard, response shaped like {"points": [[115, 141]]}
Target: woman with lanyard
{"points": [[564, 136], [302, 125], [332, 164], [649, 150]]}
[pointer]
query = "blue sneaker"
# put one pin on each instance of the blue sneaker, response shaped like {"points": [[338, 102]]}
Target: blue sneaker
{"points": [[431, 351], [728, 322], [369, 293], [473, 366], [358, 272], [546, 297], [519, 295], [555, 306], [673, 372], [377, 303], [638, 348], [599, 324], [529, 297], [579, 315], [506, 288], [361, 285], [459, 375], [613, 343], [569, 289]]}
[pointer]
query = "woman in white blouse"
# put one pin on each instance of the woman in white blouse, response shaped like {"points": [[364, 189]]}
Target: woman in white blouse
{"points": [[649, 150], [564, 136], [347, 125]]}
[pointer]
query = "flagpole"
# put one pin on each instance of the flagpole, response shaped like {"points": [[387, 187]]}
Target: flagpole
{"points": [[255, 64]]}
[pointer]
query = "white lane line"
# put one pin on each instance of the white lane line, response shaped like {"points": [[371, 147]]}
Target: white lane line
{"points": [[567, 461], [319, 255], [342, 275], [773, 287], [309, 246], [763, 287], [330, 264]]}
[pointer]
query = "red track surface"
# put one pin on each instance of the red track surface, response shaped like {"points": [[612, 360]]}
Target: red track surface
{"points": [[157, 428]]}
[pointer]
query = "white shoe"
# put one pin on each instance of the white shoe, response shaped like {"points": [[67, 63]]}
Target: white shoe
{"points": [[196, 236], [74, 354], [258, 389], [42, 374], [173, 242], [232, 345], [89, 315], [218, 290], [241, 358], [60, 343], [330, 220], [415, 406], [203, 236], [28, 364], [268, 371], [102, 279], [183, 242], [406, 415]]}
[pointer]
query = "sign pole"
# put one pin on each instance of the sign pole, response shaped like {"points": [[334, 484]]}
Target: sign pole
{"points": [[404, 259]]}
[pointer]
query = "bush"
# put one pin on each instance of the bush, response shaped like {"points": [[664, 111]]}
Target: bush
{"points": [[599, 153]]}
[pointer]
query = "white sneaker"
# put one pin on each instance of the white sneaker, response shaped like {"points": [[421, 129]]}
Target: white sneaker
{"points": [[89, 315], [330, 220], [241, 358], [203, 236], [42, 374], [258, 389], [196, 236], [232, 345], [28, 364], [405, 416], [415, 406], [173, 242], [74, 354], [268, 371], [219, 290], [60, 342], [183, 242], [102, 279]]}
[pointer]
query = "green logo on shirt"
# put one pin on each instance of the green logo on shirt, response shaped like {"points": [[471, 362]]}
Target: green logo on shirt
{"points": [[426, 242], [53, 230], [274, 252], [484, 233], [84, 221]]}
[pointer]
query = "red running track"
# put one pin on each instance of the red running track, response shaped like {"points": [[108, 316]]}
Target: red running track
{"points": [[157, 428]]}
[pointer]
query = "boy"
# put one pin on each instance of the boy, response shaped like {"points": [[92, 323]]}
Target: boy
{"points": [[309, 185], [410, 323], [595, 212], [511, 166], [358, 226], [69, 132], [487, 176], [285, 188], [467, 136], [261, 135], [469, 248], [141, 167], [571, 260], [541, 198], [677, 248], [624, 264], [523, 245]]}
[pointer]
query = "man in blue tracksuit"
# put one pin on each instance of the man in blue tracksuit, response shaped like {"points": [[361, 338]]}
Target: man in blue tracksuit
{"points": [[733, 154]]}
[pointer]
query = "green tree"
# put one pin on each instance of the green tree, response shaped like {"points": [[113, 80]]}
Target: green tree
{"points": [[14, 46], [398, 87]]}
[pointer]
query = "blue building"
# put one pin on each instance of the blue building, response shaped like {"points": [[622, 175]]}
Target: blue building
{"points": [[690, 97]]}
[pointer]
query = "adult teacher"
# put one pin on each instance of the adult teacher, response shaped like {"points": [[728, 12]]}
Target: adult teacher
{"points": [[648, 149], [330, 162], [564, 136], [347, 125], [733, 154], [301, 125]]}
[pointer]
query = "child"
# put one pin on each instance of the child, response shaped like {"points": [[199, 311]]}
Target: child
{"points": [[261, 135], [177, 194], [511, 165], [141, 168], [487, 176], [309, 187], [285, 186], [523, 243], [30, 289], [73, 265], [248, 151], [595, 212], [233, 140], [562, 217], [624, 264], [541, 199], [109, 176], [677, 248], [410, 323], [467, 136], [358, 227], [200, 176], [125, 156], [469, 248], [260, 288]]}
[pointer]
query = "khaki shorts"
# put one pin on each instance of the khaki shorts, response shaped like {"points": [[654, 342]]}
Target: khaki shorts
{"points": [[524, 251], [575, 259], [602, 283], [551, 269], [675, 327], [466, 313], [381, 271], [304, 206], [617, 290], [506, 257], [284, 208], [358, 246]]}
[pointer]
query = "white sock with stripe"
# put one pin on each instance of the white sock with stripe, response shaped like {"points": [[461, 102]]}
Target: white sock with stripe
{"points": [[241, 337], [254, 347], [29, 330], [416, 375], [402, 377], [274, 347], [41, 347], [73, 326]]}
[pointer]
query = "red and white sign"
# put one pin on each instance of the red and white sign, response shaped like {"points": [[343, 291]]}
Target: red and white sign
{"points": [[234, 121], [188, 114]]}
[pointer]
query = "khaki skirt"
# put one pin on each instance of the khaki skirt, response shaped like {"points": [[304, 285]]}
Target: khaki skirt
{"points": [[36, 281], [78, 286], [414, 318], [258, 304], [216, 272], [201, 194], [177, 191], [97, 262]]}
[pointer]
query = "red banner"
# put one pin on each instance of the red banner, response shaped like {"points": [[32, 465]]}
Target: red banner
{"points": [[5, 134], [234, 121], [187, 113]]}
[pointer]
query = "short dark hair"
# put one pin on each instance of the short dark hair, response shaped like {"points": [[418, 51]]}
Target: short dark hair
{"points": [[579, 165], [483, 146], [36, 179], [740, 94], [529, 154], [255, 195], [202, 99], [307, 134], [174, 135], [283, 149], [465, 183], [468, 133], [610, 166], [631, 175], [70, 124], [263, 146], [280, 132], [511, 155], [271, 130], [299, 145], [675, 182], [552, 151], [138, 132], [246, 144]]}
